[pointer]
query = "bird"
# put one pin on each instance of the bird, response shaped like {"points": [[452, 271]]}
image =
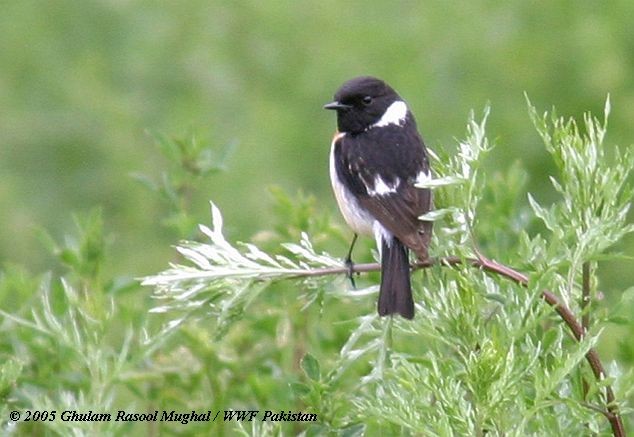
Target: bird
{"points": [[377, 159]]}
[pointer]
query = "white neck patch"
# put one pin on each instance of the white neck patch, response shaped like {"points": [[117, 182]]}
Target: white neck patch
{"points": [[394, 114]]}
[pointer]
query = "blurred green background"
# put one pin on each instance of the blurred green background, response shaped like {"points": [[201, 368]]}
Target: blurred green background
{"points": [[84, 84], [89, 88]]}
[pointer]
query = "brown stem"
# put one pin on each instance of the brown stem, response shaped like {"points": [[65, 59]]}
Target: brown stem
{"points": [[612, 413], [585, 297], [585, 315]]}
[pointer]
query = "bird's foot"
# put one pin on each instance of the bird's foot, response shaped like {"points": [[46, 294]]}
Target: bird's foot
{"points": [[350, 266]]}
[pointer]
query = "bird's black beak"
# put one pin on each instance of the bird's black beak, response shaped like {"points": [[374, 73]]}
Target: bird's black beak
{"points": [[337, 105]]}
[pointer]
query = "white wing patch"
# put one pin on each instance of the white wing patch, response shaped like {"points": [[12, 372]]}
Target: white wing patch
{"points": [[394, 114], [422, 177], [382, 188]]}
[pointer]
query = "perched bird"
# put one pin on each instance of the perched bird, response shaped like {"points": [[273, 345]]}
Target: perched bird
{"points": [[377, 157]]}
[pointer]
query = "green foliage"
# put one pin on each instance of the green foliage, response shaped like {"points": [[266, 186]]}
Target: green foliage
{"points": [[461, 174], [482, 355], [273, 326], [66, 351], [190, 162], [224, 280], [80, 356], [83, 255], [81, 82], [297, 214], [592, 214]]}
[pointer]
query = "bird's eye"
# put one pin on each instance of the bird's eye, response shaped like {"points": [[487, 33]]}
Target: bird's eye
{"points": [[367, 100]]}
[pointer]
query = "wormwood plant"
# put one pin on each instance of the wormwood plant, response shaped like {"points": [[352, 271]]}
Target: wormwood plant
{"points": [[503, 342], [79, 347], [493, 349]]}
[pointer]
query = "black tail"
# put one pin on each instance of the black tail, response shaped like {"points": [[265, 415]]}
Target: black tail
{"points": [[395, 295]]}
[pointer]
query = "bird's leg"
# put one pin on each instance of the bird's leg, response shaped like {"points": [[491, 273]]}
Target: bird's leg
{"points": [[349, 262]]}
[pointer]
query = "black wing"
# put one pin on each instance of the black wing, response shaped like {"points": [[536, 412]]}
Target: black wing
{"points": [[380, 167]]}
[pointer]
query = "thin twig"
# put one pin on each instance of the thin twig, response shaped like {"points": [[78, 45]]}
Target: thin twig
{"points": [[612, 413], [585, 296], [585, 315]]}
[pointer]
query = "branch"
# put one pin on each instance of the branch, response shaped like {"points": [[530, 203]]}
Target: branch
{"points": [[585, 297], [612, 412], [585, 313]]}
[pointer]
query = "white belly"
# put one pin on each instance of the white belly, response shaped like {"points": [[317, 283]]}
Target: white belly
{"points": [[357, 218]]}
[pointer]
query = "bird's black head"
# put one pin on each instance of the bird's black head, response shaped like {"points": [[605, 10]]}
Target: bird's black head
{"points": [[361, 102]]}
